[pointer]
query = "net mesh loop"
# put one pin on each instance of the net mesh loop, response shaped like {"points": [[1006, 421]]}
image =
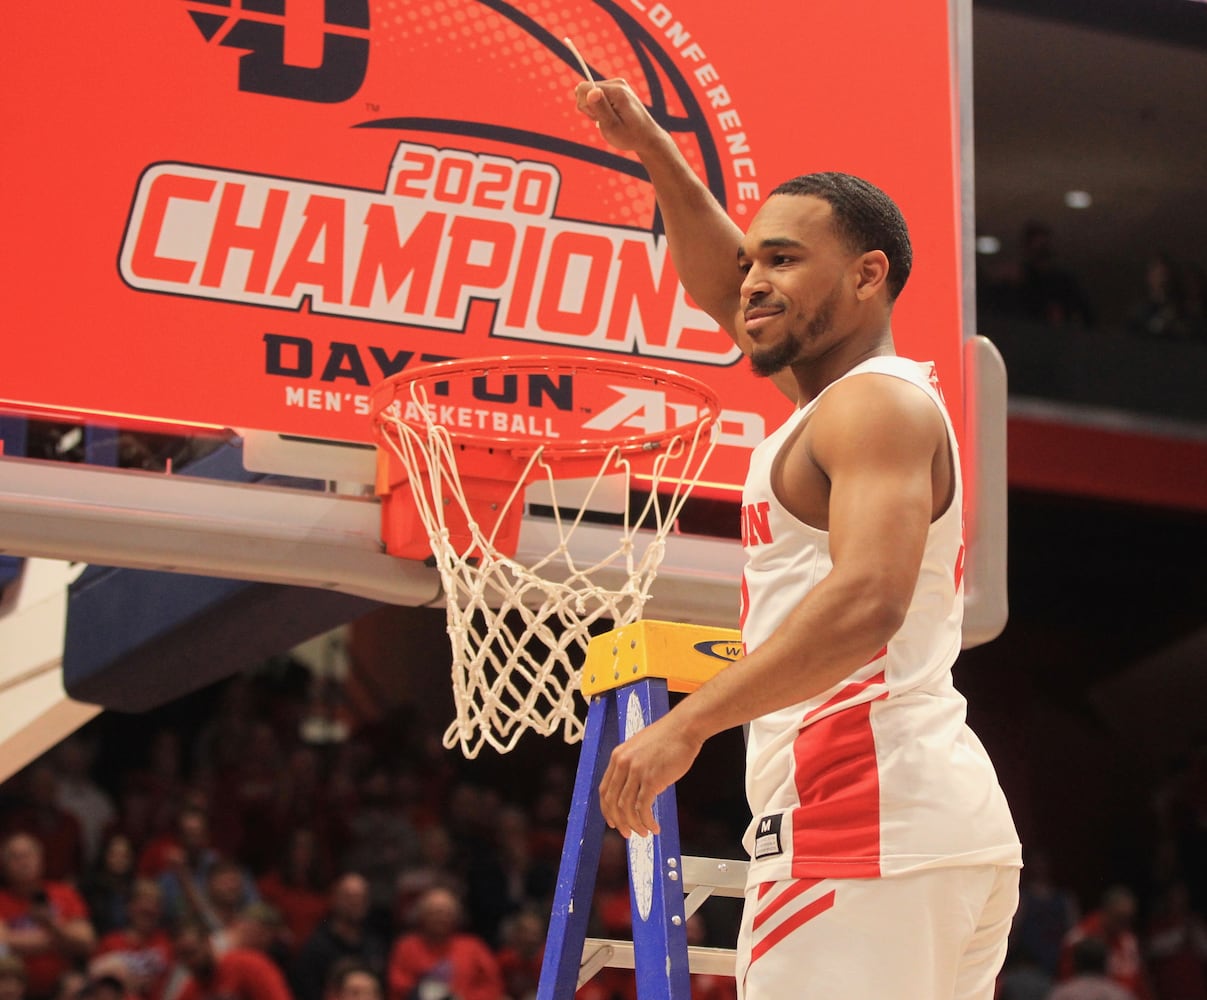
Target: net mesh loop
{"points": [[519, 630]]}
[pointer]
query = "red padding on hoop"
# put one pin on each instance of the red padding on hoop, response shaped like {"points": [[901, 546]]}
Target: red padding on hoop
{"points": [[403, 531]]}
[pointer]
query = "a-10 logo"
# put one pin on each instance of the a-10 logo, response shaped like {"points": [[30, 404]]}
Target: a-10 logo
{"points": [[307, 50]]}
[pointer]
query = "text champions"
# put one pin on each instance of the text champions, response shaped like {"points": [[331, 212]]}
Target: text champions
{"points": [[451, 227]]}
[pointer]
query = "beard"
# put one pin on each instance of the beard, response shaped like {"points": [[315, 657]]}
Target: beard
{"points": [[775, 359]]}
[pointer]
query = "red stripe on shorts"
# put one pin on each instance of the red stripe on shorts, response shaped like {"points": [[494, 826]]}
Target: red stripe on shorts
{"points": [[785, 897], [794, 922]]}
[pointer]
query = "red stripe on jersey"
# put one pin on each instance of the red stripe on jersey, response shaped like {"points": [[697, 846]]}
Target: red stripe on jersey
{"points": [[782, 900], [794, 922], [850, 691], [836, 827], [959, 573]]}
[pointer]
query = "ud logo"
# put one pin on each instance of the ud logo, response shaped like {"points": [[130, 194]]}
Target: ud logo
{"points": [[767, 843], [307, 57]]}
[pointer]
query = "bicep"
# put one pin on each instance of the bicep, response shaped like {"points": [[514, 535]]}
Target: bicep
{"points": [[879, 518], [878, 450]]}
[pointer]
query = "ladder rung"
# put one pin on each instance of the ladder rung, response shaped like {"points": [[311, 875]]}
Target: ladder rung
{"points": [[599, 953], [727, 878]]}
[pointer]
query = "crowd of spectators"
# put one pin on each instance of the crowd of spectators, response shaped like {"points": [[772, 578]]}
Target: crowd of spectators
{"points": [[236, 861], [1130, 945], [1168, 300]]}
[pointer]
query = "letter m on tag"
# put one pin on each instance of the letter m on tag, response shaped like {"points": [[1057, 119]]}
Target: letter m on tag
{"points": [[767, 841]]}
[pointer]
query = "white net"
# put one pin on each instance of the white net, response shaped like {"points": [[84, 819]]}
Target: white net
{"points": [[519, 630]]}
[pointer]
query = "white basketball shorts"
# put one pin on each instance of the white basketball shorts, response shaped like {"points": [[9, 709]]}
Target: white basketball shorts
{"points": [[938, 934]]}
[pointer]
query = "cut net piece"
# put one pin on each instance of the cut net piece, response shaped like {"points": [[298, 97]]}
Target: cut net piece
{"points": [[519, 630]]}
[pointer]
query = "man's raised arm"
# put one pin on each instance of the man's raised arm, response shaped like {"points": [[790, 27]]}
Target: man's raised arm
{"points": [[703, 239]]}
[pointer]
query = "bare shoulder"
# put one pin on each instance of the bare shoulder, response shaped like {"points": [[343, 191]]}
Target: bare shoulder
{"points": [[873, 413]]}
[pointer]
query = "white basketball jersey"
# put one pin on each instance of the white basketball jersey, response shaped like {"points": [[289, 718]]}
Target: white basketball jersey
{"points": [[880, 774]]}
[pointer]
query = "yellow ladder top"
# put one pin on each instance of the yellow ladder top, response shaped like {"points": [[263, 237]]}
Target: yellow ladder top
{"points": [[685, 655]]}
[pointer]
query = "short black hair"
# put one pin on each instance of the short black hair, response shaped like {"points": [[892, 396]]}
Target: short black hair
{"points": [[864, 216]]}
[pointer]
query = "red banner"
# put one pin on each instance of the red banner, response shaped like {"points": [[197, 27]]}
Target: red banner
{"points": [[246, 213]]}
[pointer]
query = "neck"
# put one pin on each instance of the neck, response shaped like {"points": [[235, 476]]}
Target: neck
{"points": [[814, 375]]}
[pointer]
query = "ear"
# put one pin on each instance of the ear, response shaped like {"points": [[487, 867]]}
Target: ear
{"points": [[871, 273]]}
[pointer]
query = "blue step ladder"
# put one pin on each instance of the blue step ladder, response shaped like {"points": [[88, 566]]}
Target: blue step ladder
{"points": [[627, 678]]}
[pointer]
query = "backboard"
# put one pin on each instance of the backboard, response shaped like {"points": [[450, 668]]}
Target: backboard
{"points": [[305, 201]]}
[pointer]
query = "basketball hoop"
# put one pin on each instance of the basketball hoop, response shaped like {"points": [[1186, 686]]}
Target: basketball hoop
{"points": [[461, 443]]}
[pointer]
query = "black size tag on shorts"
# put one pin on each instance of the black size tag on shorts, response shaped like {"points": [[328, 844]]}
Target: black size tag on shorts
{"points": [[767, 842]]}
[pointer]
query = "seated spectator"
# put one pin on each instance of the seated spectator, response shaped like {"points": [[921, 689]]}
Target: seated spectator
{"points": [[259, 927], [1159, 314], [1088, 960], [306, 804], [435, 867], [47, 922], [82, 797], [1049, 293], [503, 876], [437, 961], [39, 815], [227, 894], [239, 974], [185, 880], [12, 978], [519, 958], [350, 980], [549, 825], [222, 746], [1177, 948], [149, 800], [1046, 913], [253, 788], [381, 839], [1111, 924], [297, 886], [345, 934], [144, 948], [107, 886]]}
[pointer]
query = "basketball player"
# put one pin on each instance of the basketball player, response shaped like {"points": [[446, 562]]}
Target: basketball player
{"points": [[884, 862]]}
